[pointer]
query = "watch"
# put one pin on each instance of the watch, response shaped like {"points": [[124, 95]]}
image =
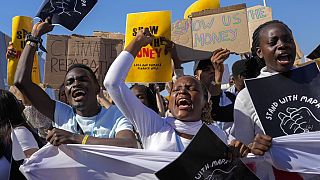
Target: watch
{"points": [[32, 44]]}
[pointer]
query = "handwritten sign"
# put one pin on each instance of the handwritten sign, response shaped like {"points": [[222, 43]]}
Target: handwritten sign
{"points": [[257, 15], [208, 30], [151, 63], [96, 52], [226, 29]]}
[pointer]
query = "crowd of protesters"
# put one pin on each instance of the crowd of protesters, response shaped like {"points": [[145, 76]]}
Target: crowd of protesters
{"points": [[139, 117]]}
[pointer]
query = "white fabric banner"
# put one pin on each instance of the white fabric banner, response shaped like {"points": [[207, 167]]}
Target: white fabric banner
{"points": [[84, 162], [295, 153]]}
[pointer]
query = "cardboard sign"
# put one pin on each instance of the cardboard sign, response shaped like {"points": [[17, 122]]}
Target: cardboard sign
{"points": [[109, 35], [293, 106], [197, 37], [67, 13], [21, 25], [63, 51], [227, 29], [257, 15], [206, 158], [151, 64]]}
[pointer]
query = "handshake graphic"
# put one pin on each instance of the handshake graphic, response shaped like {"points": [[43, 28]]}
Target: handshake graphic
{"points": [[297, 120]]}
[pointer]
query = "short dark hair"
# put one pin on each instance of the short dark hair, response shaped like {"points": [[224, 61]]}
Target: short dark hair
{"points": [[240, 67], [73, 66]]}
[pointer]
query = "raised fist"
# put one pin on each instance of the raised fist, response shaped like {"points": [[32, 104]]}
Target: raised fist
{"points": [[297, 120]]}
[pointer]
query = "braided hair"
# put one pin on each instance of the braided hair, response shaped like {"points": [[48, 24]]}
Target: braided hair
{"points": [[255, 63]]}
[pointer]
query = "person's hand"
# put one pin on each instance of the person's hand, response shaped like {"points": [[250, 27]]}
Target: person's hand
{"points": [[237, 149], [144, 37], [11, 52], [297, 120], [170, 47], [58, 136], [41, 28], [217, 59], [261, 144]]}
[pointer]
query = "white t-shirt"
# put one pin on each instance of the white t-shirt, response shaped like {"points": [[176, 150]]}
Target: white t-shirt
{"points": [[106, 124], [157, 133]]}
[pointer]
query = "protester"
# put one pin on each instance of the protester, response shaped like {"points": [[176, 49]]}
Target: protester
{"points": [[273, 45], [188, 99], [145, 95], [85, 121], [11, 119]]}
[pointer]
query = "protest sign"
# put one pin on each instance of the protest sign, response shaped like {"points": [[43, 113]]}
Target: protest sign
{"points": [[109, 35], [197, 37], [67, 13], [257, 15], [151, 64], [21, 25], [96, 52], [206, 158], [293, 104], [221, 28]]}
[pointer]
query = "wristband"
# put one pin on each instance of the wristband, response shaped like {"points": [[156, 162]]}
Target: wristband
{"points": [[84, 140], [216, 83], [37, 40]]}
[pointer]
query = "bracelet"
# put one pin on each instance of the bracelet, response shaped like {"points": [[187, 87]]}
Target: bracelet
{"points": [[37, 40], [85, 138], [216, 83]]}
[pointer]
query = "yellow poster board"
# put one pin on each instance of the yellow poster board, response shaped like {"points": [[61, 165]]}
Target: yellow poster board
{"points": [[21, 25], [151, 63]]}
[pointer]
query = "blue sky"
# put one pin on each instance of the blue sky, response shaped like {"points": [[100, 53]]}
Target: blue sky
{"points": [[301, 16]]}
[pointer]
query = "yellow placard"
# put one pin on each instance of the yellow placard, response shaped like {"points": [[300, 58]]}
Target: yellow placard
{"points": [[21, 25], [151, 63]]}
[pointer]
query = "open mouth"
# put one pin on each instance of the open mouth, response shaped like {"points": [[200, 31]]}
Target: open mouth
{"points": [[284, 59], [184, 104], [78, 94]]}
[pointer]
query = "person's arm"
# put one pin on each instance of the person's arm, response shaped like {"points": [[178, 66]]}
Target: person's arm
{"points": [[217, 59], [124, 138], [22, 78], [26, 140], [177, 68], [146, 120]]}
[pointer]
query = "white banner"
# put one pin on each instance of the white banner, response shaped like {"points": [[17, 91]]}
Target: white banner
{"points": [[295, 153], [84, 162]]}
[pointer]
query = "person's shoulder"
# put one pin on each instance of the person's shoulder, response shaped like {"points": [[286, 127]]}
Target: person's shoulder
{"points": [[243, 94]]}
